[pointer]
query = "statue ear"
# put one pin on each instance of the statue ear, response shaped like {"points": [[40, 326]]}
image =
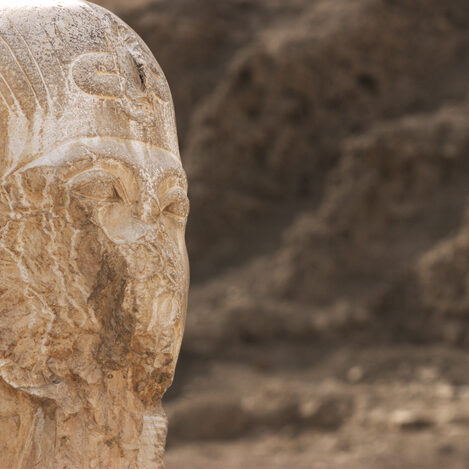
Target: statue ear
{"points": [[95, 73]]}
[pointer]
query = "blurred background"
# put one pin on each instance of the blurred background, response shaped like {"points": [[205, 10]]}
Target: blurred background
{"points": [[327, 148]]}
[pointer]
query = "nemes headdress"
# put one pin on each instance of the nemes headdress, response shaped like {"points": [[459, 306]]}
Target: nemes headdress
{"points": [[69, 70]]}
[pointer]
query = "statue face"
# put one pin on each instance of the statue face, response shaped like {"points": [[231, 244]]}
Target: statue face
{"points": [[94, 267], [93, 205]]}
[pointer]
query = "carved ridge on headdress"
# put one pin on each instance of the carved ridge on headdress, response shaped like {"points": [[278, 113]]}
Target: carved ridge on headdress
{"points": [[121, 73]]}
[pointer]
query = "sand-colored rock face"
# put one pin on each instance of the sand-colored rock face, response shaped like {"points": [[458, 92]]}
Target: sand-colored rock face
{"points": [[94, 271]]}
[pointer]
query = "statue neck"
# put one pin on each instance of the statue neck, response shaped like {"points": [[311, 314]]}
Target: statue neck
{"points": [[110, 429], [26, 428]]}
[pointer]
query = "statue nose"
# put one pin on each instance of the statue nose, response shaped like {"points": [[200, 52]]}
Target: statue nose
{"points": [[150, 212], [134, 225]]}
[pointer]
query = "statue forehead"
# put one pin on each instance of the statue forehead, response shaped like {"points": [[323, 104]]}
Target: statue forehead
{"points": [[146, 162], [70, 69]]}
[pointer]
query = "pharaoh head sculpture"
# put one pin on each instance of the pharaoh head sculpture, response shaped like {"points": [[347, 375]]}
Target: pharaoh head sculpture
{"points": [[93, 205]]}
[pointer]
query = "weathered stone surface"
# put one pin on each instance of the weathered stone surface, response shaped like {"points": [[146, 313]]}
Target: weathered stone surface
{"points": [[94, 271]]}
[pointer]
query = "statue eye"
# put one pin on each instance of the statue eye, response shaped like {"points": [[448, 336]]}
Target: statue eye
{"points": [[176, 203], [97, 185]]}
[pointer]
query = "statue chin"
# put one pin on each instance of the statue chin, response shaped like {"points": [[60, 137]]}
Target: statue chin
{"points": [[94, 270]]}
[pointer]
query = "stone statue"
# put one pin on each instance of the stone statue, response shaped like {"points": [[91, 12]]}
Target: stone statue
{"points": [[94, 270]]}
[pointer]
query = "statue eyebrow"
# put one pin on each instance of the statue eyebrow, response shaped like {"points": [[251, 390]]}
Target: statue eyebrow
{"points": [[94, 166], [93, 160], [177, 173]]}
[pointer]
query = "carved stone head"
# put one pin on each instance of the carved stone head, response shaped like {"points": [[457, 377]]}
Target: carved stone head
{"points": [[93, 206]]}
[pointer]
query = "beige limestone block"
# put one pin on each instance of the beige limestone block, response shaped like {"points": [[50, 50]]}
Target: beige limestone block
{"points": [[94, 270]]}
